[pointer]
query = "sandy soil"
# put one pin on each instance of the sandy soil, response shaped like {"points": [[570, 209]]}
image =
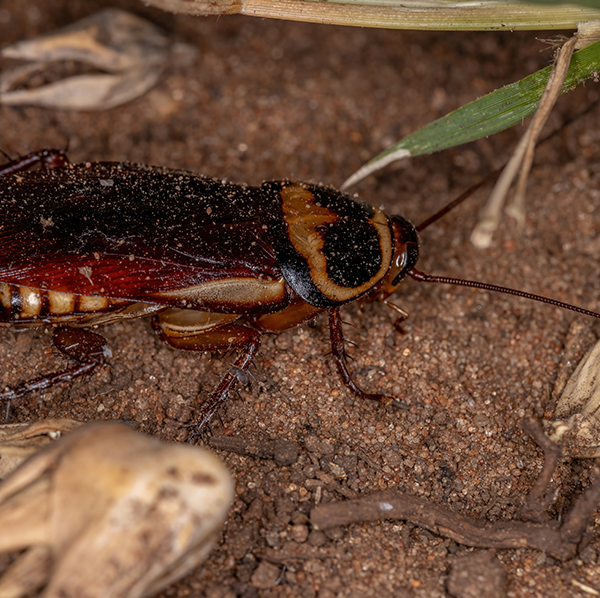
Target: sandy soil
{"points": [[248, 100]]}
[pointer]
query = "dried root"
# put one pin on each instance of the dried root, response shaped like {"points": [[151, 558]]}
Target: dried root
{"points": [[559, 540]]}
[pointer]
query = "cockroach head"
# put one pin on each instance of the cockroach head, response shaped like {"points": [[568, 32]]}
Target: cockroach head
{"points": [[406, 249], [406, 254]]}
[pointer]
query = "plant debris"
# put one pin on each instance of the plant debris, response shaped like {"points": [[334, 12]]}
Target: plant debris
{"points": [[106, 511], [558, 540], [100, 62], [20, 441], [577, 412], [281, 451]]}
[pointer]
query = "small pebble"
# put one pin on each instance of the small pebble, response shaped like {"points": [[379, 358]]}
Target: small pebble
{"points": [[265, 576], [317, 538], [299, 533]]}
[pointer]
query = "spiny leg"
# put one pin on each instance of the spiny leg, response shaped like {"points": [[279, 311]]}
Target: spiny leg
{"points": [[202, 331], [339, 354], [88, 348], [219, 395], [46, 158]]}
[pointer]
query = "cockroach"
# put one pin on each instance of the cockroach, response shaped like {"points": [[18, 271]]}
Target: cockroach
{"points": [[214, 263]]}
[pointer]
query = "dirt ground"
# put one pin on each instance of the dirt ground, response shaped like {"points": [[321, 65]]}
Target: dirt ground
{"points": [[249, 100]]}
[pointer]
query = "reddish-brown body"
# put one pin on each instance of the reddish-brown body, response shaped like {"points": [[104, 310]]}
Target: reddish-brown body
{"points": [[216, 264]]}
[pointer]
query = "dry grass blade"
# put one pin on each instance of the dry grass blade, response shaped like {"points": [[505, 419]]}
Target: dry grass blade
{"points": [[522, 157], [444, 15]]}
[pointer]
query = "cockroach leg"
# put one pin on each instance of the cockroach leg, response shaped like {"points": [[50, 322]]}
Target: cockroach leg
{"points": [[47, 159], [191, 330], [88, 348], [339, 354], [402, 315], [218, 397]]}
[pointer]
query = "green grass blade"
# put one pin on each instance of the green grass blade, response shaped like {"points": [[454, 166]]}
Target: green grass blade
{"points": [[487, 115]]}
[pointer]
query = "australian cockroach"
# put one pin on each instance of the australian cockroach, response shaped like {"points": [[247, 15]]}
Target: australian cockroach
{"points": [[214, 263]]}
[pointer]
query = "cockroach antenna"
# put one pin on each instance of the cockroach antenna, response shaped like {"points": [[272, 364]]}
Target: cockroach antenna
{"points": [[422, 277], [490, 178]]}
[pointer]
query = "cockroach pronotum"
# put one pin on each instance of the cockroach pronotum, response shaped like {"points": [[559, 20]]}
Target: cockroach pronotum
{"points": [[214, 263]]}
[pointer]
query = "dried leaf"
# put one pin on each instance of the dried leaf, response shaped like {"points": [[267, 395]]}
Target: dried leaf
{"points": [[577, 412], [125, 53], [20, 441], [106, 511]]}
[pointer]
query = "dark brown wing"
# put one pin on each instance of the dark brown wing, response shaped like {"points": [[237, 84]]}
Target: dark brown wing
{"points": [[128, 231]]}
